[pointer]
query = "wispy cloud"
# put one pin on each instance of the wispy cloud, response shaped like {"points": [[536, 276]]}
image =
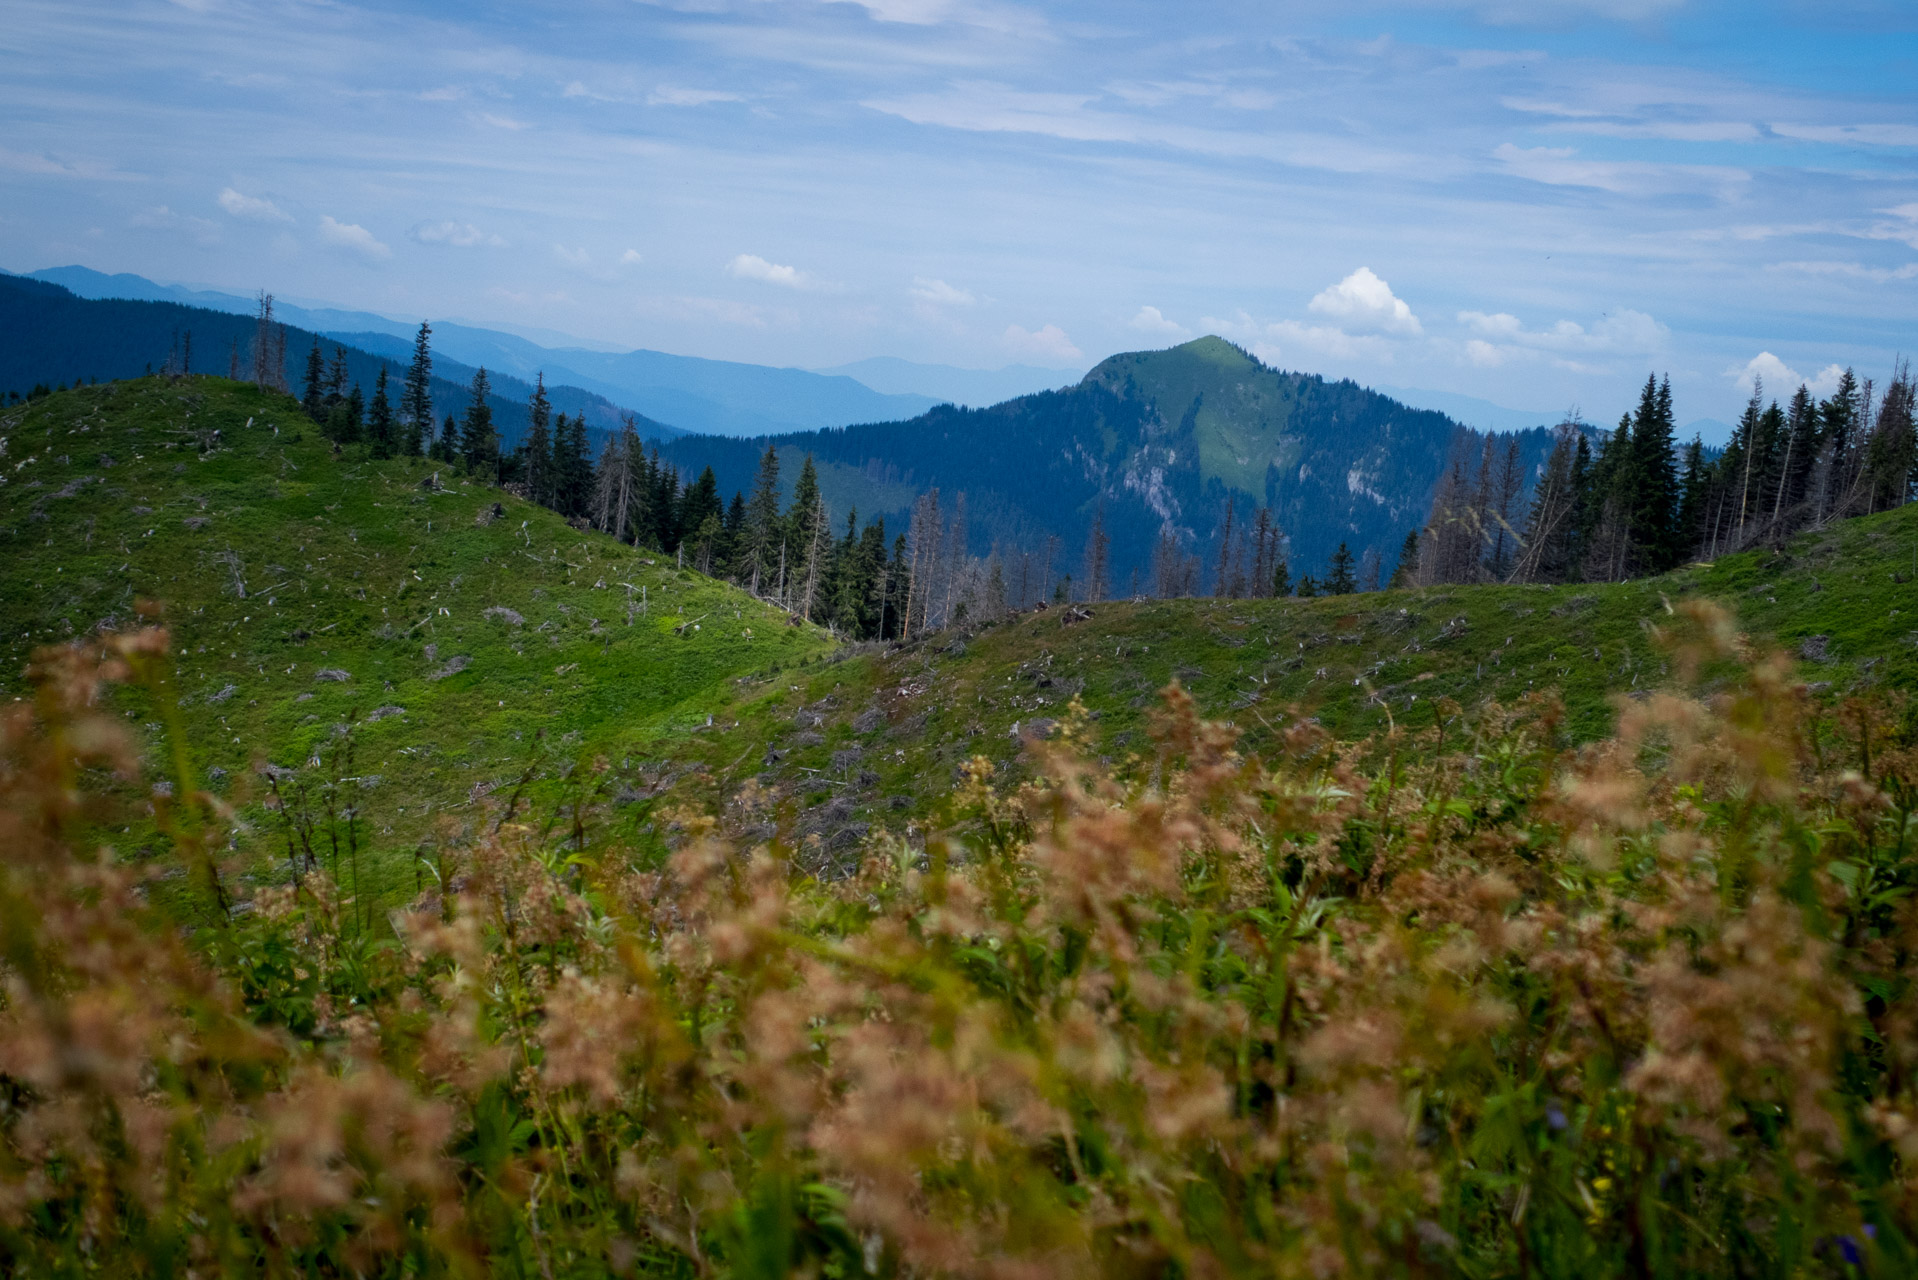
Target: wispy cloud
{"points": [[252, 208], [668, 96], [750, 266], [460, 235], [352, 238], [1048, 344], [1152, 321], [939, 293]]}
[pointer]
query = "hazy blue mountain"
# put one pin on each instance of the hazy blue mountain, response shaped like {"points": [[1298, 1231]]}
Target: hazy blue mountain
{"points": [[1154, 440], [718, 396], [974, 388], [49, 334], [1471, 411]]}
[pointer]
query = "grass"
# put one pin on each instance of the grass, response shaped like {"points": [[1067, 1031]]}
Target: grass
{"points": [[114, 493], [306, 592], [1353, 664]]}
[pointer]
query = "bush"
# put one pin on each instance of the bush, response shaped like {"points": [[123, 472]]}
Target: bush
{"points": [[1445, 1002]]}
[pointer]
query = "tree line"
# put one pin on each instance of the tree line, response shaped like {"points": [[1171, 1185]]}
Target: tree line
{"points": [[1630, 502], [1605, 506], [849, 578]]}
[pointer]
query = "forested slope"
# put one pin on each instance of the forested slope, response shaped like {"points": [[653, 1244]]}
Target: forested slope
{"points": [[48, 336], [1148, 442]]}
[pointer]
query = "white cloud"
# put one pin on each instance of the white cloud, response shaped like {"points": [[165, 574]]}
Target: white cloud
{"points": [[1151, 320], [353, 238], [750, 266], [1866, 135], [938, 292], [578, 259], [668, 96], [202, 232], [1562, 167], [1780, 379], [461, 235], [503, 122], [1049, 344], [252, 208], [1363, 301], [631, 258], [1856, 270], [1622, 332]]}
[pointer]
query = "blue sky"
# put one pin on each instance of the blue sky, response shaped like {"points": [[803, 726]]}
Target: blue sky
{"points": [[1532, 201]]}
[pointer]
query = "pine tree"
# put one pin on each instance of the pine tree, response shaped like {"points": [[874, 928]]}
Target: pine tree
{"points": [[1840, 414], [447, 448], [336, 379], [538, 445], [1282, 577], [313, 395], [574, 469], [348, 419], [1652, 496], [416, 394], [1891, 453], [1405, 574], [1801, 454], [1694, 488], [1098, 556], [478, 445], [1308, 587], [700, 504], [379, 419], [1339, 579], [729, 553], [763, 532]]}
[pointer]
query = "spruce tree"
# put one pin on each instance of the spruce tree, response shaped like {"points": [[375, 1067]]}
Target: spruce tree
{"points": [[764, 530], [1652, 493], [1308, 587], [313, 393], [732, 535], [416, 395], [1801, 452], [538, 446], [1693, 492], [1840, 414], [1405, 573], [478, 445], [336, 378], [1339, 580], [1282, 578], [379, 419], [447, 448]]}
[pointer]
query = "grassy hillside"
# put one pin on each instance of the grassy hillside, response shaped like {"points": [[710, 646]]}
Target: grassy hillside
{"points": [[307, 591], [880, 739]]}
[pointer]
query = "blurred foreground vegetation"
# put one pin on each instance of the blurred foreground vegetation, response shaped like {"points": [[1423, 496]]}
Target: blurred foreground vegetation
{"points": [[1459, 1000]]}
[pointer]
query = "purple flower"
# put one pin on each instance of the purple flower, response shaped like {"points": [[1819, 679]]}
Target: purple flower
{"points": [[1555, 1117], [1849, 1247]]}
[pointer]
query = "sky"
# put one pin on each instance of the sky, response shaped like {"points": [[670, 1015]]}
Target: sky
{"points": [[1537, 202]]}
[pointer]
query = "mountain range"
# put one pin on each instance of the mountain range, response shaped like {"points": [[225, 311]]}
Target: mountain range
{"points": [[1147, 441], [717, 397], [48, 335]]}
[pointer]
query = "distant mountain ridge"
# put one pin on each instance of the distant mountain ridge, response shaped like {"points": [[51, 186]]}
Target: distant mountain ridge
{"points": [[49, 335], [691, 393], [1146, 441]]}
